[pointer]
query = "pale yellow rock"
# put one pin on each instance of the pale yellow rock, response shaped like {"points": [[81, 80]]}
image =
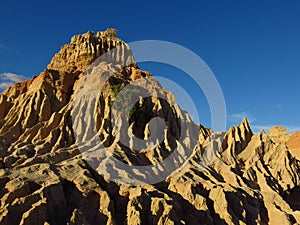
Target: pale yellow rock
{"points": [[45, 179]]}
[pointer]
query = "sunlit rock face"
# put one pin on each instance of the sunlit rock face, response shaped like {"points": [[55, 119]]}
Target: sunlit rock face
{"points": [[46, 177]]}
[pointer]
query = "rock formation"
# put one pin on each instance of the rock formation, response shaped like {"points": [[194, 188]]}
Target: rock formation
{"points": [[279, 134], [46, 177], [293, 144]]}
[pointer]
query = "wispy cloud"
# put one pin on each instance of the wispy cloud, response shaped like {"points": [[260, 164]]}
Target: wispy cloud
{"points": [[292, 129], [266, 128], [238, 117], [259, 128], [9, 79], [279, 106], [4, 47], [8, 50]]}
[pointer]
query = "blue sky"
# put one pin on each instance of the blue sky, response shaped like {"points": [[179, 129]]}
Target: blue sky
{"points": [[253, 47]]}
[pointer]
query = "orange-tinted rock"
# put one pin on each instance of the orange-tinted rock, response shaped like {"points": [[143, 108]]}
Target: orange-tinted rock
{"points": [[293, 144]]}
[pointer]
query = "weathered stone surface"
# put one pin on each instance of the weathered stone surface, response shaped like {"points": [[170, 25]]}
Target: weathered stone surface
{"points": [[293, 144], [254, 178], [279, 134]]}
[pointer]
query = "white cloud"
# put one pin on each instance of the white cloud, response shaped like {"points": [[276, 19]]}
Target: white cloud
{"points": [[4, 85], [9, 79], [257, 128], [238, 117], [13, 77], [266, 128], [292, 129], [279, 106]]}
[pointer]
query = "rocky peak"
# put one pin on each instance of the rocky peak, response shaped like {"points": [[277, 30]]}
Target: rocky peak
{"points": [[83, 49], [45, 179], [279, 134], [235, 141]]}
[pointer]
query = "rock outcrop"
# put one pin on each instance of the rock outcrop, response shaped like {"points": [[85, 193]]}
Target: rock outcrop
{"points": [[279, 134], [46, 177], [293, 144]]}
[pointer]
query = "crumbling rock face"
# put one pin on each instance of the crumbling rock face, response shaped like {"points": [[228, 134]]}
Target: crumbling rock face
{"points": [[44, 178], [83, 50], [293, 144], [279, 134]]}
